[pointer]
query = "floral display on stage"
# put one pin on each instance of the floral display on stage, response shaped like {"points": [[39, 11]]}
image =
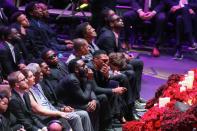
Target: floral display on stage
{"points": [[174, 107]]}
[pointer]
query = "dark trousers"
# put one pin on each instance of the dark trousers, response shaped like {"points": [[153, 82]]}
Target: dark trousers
{"points": [[124, 82], [131, 18], [138, 66], [185, 25], [105, 112]]}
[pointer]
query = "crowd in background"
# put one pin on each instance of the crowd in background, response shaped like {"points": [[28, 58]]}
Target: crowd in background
{"points": [[90, 82]]}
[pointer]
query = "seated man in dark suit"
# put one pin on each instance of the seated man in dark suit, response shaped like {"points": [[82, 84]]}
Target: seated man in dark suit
{"points": [[103, 74], [50, 93], [146, 10], [35, 14], [58, 68], [81, 50], [96, 7], [8, 120], [80, 94], [10, 56], [108, 39], [182, 14], [31, 39], [20, 103]]}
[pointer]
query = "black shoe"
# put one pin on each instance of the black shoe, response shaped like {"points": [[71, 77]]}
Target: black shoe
{"points": [[178, 56]]}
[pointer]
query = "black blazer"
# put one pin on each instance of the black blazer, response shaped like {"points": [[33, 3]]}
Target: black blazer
{"points": [[6, 59], [49, 92], [106, 41], [76, 93], [156, 5], [100, 82], [191, 3], [59, 71], [48, 35], [23, 112]]}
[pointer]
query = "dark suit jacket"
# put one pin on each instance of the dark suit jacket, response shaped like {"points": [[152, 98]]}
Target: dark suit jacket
{"points": [[76, 93], [4, 126], [191, 3], [12, 121], [49, 92], [6, 59], [106, 41], [58, 72], [48, 35], [100, 82], [27, 56], [156, 5], [23, 112]]}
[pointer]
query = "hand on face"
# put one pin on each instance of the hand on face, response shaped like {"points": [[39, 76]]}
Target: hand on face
{"points": [[105, 70]]}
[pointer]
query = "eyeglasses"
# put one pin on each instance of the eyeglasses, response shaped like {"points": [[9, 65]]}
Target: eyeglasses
{"points": [[117, 19], [52, 56], [22, 80]]}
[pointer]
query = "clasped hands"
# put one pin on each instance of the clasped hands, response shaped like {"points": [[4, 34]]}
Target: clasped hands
{"points": [[146, 15]]}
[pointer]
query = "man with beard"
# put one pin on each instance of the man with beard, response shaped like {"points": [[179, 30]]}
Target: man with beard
{"points": [[59, 69], [10, 56], [80, 94], [108, 39]]}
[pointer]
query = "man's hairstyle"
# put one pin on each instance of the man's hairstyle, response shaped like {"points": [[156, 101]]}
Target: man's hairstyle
{"points": [[25, 72], [98, 53], [33, 67], [117, 59], [44, 53], [5, 91], [80, 30], [29, 8], [14, 16], [72, 65], [6, 31], [13, 78], [78, 43], [38, 61], [109, 19], [105, 12]]}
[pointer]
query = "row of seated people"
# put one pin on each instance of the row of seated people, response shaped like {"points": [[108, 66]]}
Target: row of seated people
{"points": [[110, 90], [181, 13], [68, 91]]}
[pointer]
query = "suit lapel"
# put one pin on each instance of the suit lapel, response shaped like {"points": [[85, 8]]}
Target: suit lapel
{"points": [[50, 87], [9, 51], [25, 106]]}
